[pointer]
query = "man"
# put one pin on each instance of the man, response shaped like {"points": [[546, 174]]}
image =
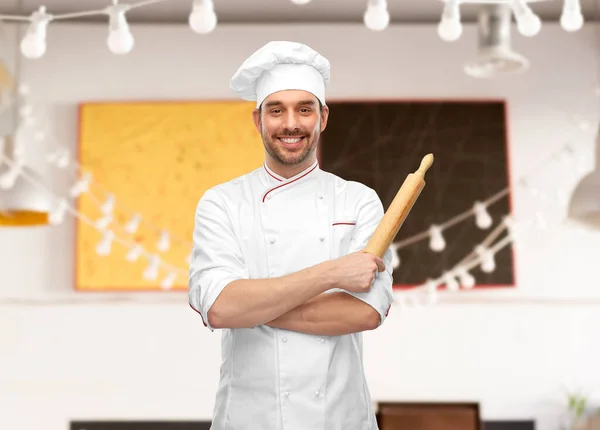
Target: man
{"points": [[277, 264]]}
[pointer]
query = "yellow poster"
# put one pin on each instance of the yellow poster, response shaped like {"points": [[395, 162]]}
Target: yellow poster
{"points": [[156, 159]]}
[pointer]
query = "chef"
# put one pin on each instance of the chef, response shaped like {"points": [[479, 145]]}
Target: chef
{"points": [[277, 265]]}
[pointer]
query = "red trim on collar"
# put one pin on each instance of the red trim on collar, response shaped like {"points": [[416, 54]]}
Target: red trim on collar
{"points": [[270, 174], [287, 183]]}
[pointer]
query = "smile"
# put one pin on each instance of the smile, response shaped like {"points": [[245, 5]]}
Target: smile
{"points": [[291, 141]]}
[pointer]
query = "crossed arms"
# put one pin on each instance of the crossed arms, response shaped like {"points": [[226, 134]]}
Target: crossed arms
{"points": [[305, 301]]}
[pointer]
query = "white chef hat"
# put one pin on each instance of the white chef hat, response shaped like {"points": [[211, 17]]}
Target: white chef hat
{"points": [[281, 66]]}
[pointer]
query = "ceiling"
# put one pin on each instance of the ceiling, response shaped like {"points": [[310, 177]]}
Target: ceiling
{"points": [[277, 11]]}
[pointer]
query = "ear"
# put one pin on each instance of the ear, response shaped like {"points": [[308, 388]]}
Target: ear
{"points": [[256, 119], [324, 117]]}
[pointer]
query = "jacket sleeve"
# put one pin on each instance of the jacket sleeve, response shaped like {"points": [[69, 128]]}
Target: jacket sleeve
{"points": [[216, 258], [370, 212]]}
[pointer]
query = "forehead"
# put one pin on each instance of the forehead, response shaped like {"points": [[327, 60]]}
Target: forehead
{"points": [[290, 97]]}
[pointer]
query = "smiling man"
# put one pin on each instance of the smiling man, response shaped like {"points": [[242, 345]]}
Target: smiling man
{"points": [[277, 265]]}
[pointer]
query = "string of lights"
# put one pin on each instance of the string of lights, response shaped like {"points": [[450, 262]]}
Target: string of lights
{"points": [[203, 19]]}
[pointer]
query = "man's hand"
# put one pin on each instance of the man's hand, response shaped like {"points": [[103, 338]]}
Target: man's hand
{"points": [[354, 272]]}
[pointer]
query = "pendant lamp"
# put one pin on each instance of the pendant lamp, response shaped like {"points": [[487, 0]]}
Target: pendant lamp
{"points": [[22, 202], [584, 206]]}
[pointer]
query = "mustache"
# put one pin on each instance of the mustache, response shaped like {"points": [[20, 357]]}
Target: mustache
{"points": [[292, 133]]}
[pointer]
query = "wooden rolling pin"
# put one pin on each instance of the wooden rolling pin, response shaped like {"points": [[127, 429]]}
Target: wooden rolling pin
{"points": [[399, 209]]}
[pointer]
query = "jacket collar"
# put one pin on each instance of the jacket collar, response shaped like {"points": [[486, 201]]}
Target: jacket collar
{"points": [[275, 181]]}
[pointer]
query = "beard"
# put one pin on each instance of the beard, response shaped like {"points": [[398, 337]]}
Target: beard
{"points": [[288, 156]]}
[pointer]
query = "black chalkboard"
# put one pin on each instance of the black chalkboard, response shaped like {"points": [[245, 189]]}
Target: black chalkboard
{"points": [[379, 142]]}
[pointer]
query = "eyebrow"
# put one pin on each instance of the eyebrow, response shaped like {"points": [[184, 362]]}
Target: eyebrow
{"points": [[300, 103]]}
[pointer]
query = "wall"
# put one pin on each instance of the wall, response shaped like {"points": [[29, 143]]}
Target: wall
{"points": [[103, 356]]}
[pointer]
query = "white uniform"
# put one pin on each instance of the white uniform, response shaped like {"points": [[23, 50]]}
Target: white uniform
{"points": [[261, 225]]}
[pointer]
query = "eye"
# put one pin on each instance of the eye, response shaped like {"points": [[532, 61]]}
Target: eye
{"points": [[305, 110], [275, 111]]}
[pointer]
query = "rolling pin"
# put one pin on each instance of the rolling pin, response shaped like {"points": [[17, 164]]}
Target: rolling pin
{"points": [[394, 217]]}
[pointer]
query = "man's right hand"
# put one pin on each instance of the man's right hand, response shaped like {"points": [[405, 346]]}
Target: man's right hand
{"points": [[355, 272]]}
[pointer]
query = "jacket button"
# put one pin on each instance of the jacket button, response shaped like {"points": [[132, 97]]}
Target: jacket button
{"points": [[284, 340], [317, 393], [322, 238], [322, 340], [272, 240]]}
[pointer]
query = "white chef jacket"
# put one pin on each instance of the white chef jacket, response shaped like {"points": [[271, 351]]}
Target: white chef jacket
{"points": [[262, 225]]}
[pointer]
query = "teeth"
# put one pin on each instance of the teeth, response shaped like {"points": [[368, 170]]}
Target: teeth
{"points": [[291, 139]]}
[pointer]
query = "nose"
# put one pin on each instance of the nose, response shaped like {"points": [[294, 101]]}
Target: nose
{"points": [[291, 120]]}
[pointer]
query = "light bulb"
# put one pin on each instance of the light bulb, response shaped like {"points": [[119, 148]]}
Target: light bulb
{"points": [[163, 243], [58, 214], [571, 19], [134, 253], [167, 282], [450, 27], [300, 1], [376, 17], [449, 30], [450, 282], [203, 18], [528, 23], [120, 41], [465, 278], [488, 265], [395, 258], [33, 46], [104, 222], [482, 217], [431, 291], [436, 241], [103, 247], [151, 271], [108, 205], [132, 226], [486, 257]]}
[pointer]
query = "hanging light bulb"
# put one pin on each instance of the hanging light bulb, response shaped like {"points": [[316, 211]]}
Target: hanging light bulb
{"points": [[108, 205], [81, 186], [466, 280], [120, 40], [450, 28], [488, 265], [571, 18], [167, 282], [450, 282], [203, 18], [134, 253], [395, 256], [528, 23], [163, 243], [436, 240], [133, 224], [57, 216], [104, 222], [482, 217], [301, 1], [431, 291], [104, 246], [376, 17], [9, 177], [151, 271], [33, 44]]}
